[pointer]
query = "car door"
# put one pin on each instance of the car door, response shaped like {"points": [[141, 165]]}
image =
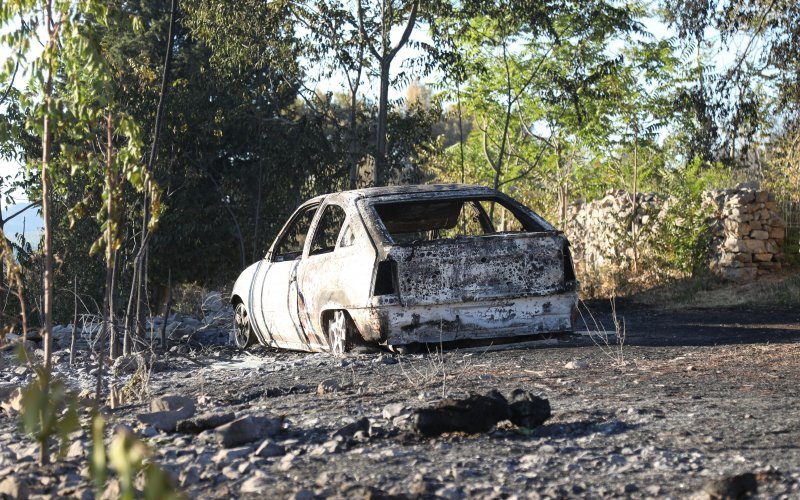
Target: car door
{"points": [[277, 281], [319, 275]]}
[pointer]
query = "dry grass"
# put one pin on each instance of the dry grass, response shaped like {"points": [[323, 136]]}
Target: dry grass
{"points": [[781, 289]]}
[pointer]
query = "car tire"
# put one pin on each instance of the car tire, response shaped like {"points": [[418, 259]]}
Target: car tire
{"points": [[339, 338], [243, 335]]}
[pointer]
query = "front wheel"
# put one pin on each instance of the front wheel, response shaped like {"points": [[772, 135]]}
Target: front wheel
{"points": [[243, 335], [338, 338]]}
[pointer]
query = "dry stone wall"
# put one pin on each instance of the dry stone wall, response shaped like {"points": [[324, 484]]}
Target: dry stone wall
{"points": [[748, 232], [611, 235]]}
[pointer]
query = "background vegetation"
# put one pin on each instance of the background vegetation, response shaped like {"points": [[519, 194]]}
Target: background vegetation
{"points": [[181, 135]]}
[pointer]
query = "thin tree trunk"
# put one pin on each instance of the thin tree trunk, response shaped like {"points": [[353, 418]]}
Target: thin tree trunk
{"points": [[163, 333], [460, 132], [258, 208], [47, 285], [74, 335], [380, 140], [352, 157], [108, 303], [635, 198], [141, 293]]}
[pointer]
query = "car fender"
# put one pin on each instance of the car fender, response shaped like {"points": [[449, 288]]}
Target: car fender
{"points": [[244, 283]]}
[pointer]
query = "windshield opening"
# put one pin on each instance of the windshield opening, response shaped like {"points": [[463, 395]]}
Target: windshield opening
{"points": [[427, 220]]}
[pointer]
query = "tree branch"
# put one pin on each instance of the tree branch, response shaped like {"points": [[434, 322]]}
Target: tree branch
{"points": [[363, 31], [412, 21]]}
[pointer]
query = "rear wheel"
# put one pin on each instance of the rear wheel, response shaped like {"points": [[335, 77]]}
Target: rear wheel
{"points": [[339, 333], [243, 335]]}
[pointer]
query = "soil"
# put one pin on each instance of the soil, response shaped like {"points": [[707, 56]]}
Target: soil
{"points": [[689, 397]]}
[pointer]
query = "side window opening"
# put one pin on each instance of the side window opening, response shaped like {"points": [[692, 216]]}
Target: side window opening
{"points": [[348, 236], [290, 247], [328, 229]]}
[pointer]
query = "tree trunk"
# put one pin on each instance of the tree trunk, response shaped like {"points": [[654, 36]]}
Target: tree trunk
{"points": [[383, 113], [74, 335], [352, 153], [108, 302], [163, 332]]}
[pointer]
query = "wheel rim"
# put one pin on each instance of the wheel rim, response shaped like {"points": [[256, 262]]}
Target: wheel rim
{"points": [[337, 333], [241, 326]]}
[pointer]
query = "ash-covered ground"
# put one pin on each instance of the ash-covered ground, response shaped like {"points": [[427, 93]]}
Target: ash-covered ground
{"points": [[690, 398]]}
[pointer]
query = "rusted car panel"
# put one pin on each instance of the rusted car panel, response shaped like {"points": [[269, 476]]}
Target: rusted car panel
{"points": [[404, 265]]}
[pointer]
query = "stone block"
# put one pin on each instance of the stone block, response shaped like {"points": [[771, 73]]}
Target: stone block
{"points": [[733, 244], [762, 196], [759, 235], [762, 257], [740, 274], [777, 233], [771, 246], [754, 246]]}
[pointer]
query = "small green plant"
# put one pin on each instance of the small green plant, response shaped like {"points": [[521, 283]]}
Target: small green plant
{"points": [[48, 411], [127, 456]]}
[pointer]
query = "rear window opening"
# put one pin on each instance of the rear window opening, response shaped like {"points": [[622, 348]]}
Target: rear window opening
{"points": [[428, 220]]}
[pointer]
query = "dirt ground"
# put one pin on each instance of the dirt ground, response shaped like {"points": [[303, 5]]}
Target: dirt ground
{"points": [[690, 397]]}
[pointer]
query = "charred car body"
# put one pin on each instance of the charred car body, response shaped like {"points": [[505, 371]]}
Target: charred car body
{"points": [[400, 266]]}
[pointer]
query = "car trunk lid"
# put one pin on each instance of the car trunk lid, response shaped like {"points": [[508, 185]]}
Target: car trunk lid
{"points": [[477, 268]]}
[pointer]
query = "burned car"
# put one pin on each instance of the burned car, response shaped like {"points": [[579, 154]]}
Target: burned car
{"points": [[405, 266]]}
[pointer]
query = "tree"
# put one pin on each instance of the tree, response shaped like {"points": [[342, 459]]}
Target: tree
{"points": [[70, 83], [375, 22], [539, 88]]}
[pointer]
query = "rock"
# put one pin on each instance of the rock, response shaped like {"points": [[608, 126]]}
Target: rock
{"points": [[328, 447], [269, 449], [328, 386], [472, 415], [226, 456], [754, 246], [393, 410], [759, 235], [732, 487], [576, 364], [349, 430], [255, 484], [167, 411], [287, 462], [302, 495], [77, 449], [12, 401], [11, 487], [213, 302], [175, 403], [528, 410], [205, 421], [246, 430], [762, 257]]}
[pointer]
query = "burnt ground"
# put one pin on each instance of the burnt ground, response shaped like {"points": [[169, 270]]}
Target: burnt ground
{"points": [[691, 396]]}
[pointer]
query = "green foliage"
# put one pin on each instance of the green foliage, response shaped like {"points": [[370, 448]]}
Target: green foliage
{"points": [[686, 231], [48, 411], [127, 456]]}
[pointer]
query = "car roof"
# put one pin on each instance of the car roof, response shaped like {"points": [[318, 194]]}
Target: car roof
{"points": [[396, 191]]}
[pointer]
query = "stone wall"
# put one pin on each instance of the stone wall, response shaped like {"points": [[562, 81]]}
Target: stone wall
{"points": [[609, 237], [748, 232]]}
